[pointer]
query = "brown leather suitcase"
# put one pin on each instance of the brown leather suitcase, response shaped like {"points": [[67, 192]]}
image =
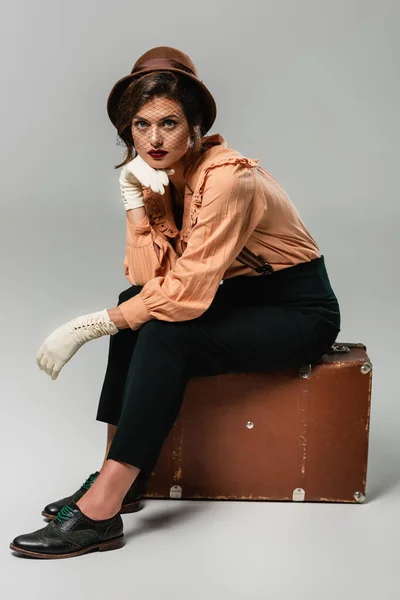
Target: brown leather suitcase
{"points": [[297, 434]]}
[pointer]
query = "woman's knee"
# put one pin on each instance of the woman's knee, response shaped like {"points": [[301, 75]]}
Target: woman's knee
{"points": [[172, 330], [129, 293], [178, 336]]}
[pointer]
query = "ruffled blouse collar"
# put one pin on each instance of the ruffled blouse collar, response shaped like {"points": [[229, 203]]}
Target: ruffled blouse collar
{"points": [[160, 208], [216, 139]]}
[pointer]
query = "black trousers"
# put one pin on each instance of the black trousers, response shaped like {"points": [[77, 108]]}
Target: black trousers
{"points": [[254, 324]]}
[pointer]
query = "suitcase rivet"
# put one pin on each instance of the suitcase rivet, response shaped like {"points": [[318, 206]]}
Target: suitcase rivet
{"points": [[305, 371], [249, 425], [366, 367], [359, 497]]}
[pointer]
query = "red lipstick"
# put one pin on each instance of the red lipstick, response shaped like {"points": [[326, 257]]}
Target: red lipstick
{"points": [[157, 153]]}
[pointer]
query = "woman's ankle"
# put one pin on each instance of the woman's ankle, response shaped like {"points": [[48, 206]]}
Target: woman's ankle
{"points": [[111, 429]]}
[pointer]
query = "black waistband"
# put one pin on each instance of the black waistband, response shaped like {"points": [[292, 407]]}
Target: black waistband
{"points": [[305, 286]]}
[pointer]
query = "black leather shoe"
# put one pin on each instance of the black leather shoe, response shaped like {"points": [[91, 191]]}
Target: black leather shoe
{"points": [[71, 533], [130, 504]]}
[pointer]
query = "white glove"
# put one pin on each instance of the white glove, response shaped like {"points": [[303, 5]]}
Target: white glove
{"points": [[138, 173], [60, 346]]}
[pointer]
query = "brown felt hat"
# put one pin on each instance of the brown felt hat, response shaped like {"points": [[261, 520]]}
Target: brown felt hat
{"points": [[163, 58]]}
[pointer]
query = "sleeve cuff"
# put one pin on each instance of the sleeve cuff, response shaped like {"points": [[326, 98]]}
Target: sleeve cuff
{"points": [[135, 312]]}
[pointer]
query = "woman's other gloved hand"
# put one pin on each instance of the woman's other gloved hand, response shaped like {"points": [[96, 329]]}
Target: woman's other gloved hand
{"points": [[61, 345], [138, 174]]}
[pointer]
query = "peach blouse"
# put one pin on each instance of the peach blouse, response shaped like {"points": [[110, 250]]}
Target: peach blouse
{"points": [[235, 203]]}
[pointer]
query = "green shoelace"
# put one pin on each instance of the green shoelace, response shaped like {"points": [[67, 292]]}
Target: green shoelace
{"points": [[89, 481], [65, 513]]}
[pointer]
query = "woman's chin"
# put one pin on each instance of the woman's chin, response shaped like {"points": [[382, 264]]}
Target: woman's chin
{"points": [[165, 161]]}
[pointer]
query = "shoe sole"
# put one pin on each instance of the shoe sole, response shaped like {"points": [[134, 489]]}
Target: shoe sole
{"points": [[101, 547], [125, 508]]}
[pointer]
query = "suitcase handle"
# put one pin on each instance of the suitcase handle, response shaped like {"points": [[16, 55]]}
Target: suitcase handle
{"points": [[340, 348]]}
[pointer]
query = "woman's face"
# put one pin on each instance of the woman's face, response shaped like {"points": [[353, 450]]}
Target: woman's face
{"points": [[160, 124]]}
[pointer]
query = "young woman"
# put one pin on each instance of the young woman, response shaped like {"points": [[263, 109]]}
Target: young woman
{"points": [[224, 277]]}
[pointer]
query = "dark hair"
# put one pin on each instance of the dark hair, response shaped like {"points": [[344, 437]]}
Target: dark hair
{"points": [[170, 85]]}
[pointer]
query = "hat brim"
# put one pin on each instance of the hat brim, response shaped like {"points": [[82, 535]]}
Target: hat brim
{"points": [[122, 84]]}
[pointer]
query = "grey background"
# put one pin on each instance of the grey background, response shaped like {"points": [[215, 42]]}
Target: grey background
{"points": [[312, 90]]}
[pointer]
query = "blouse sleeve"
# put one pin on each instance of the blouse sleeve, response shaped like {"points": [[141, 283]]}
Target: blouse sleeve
{"points": [[147, 254], [229, 213], [126, 269]]}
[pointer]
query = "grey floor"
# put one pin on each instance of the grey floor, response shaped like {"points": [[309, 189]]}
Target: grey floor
{"points": [[185, 549], [203, 549]]}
